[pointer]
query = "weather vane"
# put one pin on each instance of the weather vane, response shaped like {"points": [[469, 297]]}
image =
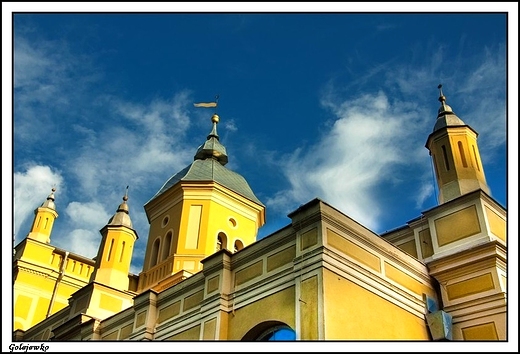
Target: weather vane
{"points": [[208, 104]]}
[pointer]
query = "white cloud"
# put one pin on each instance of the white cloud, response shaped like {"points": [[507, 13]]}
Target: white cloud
{"points": [[230, 125], [91, 214], [31, 189], [83, 242], [365, 146]]}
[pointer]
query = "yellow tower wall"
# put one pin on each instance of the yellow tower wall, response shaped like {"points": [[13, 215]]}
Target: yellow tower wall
{"points": [[42, 225], [116, 256], [352, 312]]}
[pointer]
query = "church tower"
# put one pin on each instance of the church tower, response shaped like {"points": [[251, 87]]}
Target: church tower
{"points": [[44, 220], [116, 248], [198, 211], [44, 276], [109, 289], [456, 158]]}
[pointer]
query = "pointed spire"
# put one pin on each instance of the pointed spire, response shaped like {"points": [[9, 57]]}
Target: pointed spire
{"points": [[446, 116], [49, 203], [212, 148], [122, 217], [442, 99], [213, 134]]}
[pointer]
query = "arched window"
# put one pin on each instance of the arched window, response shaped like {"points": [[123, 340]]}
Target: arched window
{"points": [[278, 333], [122, 252], [462, 155], [221, 241], [445, 155], [167, 245], [109, 253], [238, 246], [155, 252], [270, 331]]}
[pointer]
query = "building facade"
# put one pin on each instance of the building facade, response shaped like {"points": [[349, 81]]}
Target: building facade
{"points": [[324, 276]]}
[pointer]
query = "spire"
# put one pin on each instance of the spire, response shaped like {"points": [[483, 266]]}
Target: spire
{"points": [[442, 99], [446, 116], [212, 148], [49, 203], [121, 217]]}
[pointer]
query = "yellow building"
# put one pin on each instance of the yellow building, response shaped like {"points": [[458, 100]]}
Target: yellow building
{"points": [[324, 276]]}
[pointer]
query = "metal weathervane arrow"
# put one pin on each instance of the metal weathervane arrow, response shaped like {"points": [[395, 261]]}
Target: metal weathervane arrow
{"points": [[207, 104]]}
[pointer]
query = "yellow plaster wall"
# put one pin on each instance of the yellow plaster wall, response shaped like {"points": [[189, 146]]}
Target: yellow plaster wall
{"points": [[38, 253], [407, 281], [126, 331], [409, 247], [497, 225], [436, 149], [491, 327], [470, 286], [32, 294], [195, 223], [281, 258], [309, 309], [353, 250], [190, 334], [213, 284], [309, 239], [486, 331], [425, 239], [354, 313], [224, 325], [210, 328], [457, 225], [158, 229], [279, 306], [249, 273]]}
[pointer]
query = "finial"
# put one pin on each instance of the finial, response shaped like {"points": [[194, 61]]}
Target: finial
{"points": [[442, 98], [125, 198], [53, 189]]}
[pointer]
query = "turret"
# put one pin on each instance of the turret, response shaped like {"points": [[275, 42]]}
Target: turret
{"points": [[455, 154], [44, 220], [116, 248]]}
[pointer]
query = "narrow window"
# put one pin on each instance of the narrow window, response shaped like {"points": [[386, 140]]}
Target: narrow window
{"points": [[80, 268], [38, 223], [46, 222], [167, 245], [462, 156], [476, 159], [122, 252], [110, 249], [155, 253], [445, 155]]}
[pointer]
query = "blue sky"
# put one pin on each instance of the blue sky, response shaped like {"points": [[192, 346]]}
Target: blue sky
{"points": [[330, 105]]}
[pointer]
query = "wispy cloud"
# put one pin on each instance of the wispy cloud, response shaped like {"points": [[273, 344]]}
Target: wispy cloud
{"points": [[86, 219], [136, 143], [352, 158], [376, 141]]}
